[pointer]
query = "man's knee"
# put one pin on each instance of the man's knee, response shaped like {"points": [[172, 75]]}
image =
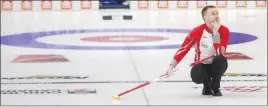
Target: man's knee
{"points": [[220, 63], [197, 74], [220, 59]]}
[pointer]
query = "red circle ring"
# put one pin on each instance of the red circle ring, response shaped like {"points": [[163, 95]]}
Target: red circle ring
{"points": [[124, 39]]}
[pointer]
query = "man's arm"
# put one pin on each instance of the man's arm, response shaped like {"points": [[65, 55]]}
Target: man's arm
{"points": [[185, 47], [221, 39]]}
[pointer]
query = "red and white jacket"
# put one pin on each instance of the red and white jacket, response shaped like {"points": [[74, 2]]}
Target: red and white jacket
{"points": [[205, 44]]}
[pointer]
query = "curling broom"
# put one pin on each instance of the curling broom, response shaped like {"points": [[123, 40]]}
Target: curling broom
{"points": [[117, 98]]}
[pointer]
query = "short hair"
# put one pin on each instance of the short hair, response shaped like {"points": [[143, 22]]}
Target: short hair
{"points": [[204, 10]]}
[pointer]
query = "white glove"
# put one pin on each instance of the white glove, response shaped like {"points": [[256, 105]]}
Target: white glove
{"points": [[169, 72]]}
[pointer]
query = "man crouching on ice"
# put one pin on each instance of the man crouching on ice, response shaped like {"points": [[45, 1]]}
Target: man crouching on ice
{"points": [[210, 38]]}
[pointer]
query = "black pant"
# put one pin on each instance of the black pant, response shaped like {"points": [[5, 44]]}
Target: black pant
{"points": [[210, 74]]}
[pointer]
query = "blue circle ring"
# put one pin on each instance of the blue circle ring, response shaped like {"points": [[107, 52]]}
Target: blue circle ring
{"points": [[29, 39]]}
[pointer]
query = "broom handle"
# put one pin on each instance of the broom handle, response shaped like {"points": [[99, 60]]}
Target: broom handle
{"points": [[161, 77]]}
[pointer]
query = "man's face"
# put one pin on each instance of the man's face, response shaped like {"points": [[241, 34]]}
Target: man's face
{"points": [[211, 15]]}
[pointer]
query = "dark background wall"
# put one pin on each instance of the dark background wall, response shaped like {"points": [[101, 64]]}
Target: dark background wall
{"points": [[113, 4]]}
